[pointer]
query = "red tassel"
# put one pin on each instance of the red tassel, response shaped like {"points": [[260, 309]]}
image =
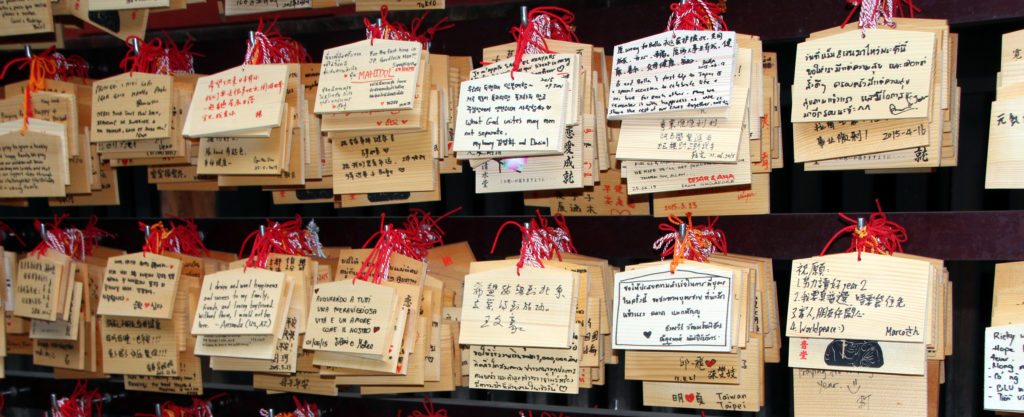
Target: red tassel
{"points": [[879, 235]]}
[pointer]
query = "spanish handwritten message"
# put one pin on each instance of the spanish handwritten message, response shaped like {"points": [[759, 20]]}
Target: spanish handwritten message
{"points": [[31, 165], [672, 71], [533, 309], [140, 285], [240, 99], [884, 75], [351, 316], [240, 301], [24, 17], [131, 106], [365, 76], [876, 298], [1004, 368], [690, 310], [501, 113]]}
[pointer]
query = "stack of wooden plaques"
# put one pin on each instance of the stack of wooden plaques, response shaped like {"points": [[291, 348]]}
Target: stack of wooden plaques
{"points": [[31, 22], [1003, 362], [878, 323], [249, 312], [1005, 155], [698, 337], [693, 129], [607, 196], [540, 128], [523, 326], [67, 168], [885, 100], [380, 103]]}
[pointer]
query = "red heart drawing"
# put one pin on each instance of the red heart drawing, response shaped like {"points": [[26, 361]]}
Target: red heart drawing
{"points": [[378, 123], [382, 103], [405, 121], [710, 363], [376, 329], [316, 291], [146, 305], [690, 398]]}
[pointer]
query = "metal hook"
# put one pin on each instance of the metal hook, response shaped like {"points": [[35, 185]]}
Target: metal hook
{"points": [[271, 411], [42, 230], [12, 392], [860, 222], [263, 230], [135, 46], [682, 230], [202, 236], [159, 411], [524, 13], [147, 232], [28, 51], [252, 37]]}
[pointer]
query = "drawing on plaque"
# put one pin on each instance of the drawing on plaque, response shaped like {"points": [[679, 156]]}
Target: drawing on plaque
{"points": [[854, 353]]}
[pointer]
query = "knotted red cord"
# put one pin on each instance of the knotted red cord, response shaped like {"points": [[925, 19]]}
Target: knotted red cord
{"points": [[696, 15], [418, 234], [185, 238], [398, 32], [910, 8], [425, 231], [428, 34], [694, 243], [879, 235], [81, 403], [430, 411], [870, 12], [4, 228], [71, 241], [305, 408], [69, 67], [542, 23], [156, 240], [271, 47], [540, 241], [156, 57], [286, 238], [41, 67], [199, 408]]}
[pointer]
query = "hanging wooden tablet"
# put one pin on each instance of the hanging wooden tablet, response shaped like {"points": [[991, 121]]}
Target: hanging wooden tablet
{"points": [[607, 198], [282, 360], [892, 308], [746, 396], [139, 346], [722, 201], [413, 119], [512, 114], [66, 329], [131, 106], [350, 317], [244, 7], [829, 71], [383, 163], [648, 73], [24, 17], [140, 285], [122, 24], [37, 283], [241, 100], [531, 309], [817, 393], [1005, 161], [552, 172], [188, 381], [368, 75], [34, 165], [240, 301]]}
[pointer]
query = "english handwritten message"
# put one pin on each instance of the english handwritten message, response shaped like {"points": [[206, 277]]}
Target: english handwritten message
{"points": [[502, 114], [240, 301], [131, 106], [1004, 367]]}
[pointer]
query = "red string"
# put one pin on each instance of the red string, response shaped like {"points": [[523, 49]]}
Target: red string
{"points": [[271, 47], [304, 408], [4, 228], [286, 238], [418, 234], [542, 23], [199, 408], [696, 15], [693, 242], [399, 32], [539, 241], [911, 9], [81, 403], [71, 241], [879, 235], [156, 57], [428, 407], [872, 10]]}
